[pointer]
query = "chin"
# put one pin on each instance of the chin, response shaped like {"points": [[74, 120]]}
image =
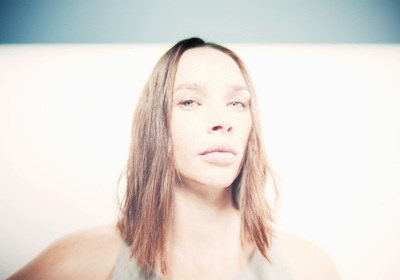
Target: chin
{"points": [[217, 179]]}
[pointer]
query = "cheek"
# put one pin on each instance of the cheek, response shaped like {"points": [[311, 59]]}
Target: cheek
{"points": [[180, 129], [184, 130], [244, 127]]}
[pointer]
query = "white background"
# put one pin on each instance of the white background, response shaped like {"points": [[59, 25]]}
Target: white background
{"points": [[331, 117]]}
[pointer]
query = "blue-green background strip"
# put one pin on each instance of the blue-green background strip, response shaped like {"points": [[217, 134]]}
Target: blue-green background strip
{"points": [[234, 21]]}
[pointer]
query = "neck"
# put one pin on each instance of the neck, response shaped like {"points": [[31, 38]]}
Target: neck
{"points": [[205, 236], [205, 223]]}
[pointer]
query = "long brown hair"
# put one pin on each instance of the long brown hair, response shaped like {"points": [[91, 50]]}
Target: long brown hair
{"points": [[148, 204]]}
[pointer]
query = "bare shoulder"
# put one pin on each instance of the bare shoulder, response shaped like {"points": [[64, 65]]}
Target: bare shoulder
{"points": [[306, 259], [88, 254]]}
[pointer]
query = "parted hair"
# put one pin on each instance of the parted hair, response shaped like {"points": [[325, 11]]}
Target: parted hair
{"points": [[147, 208]]}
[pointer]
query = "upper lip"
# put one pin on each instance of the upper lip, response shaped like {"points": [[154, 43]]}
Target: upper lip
{"points": [[221, 148]]}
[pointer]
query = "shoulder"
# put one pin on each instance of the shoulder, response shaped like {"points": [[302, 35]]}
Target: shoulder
{"points": [[88, 254], [306, 260]]}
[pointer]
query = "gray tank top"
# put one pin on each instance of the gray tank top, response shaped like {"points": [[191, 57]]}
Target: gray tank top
{"points": [[258, 268]]}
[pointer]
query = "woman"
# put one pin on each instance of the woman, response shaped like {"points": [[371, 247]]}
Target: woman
{"points": [[194, 206]]}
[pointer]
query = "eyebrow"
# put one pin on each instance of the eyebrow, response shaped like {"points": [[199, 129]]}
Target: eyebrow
{"points": [[201, 87], [239, 88], [190, 86]]}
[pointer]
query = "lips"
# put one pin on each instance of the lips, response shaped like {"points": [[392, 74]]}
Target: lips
{"points": [[219, 154]]}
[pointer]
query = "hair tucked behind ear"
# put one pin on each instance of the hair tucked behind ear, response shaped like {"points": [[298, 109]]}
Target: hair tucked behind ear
{"points": [[147, 208]]}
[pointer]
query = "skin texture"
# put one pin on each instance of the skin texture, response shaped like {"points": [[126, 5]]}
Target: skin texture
{"points": [[306, 260], [210, 113], [89, 254], [210, 107]]}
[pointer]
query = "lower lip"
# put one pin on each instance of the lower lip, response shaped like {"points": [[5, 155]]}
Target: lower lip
{"points": [[221, 158]]}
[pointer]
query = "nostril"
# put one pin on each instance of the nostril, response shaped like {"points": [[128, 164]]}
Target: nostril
{"points": [[221, 127]]}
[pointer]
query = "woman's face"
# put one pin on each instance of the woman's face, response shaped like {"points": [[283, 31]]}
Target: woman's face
{"points": [[211, 119]]}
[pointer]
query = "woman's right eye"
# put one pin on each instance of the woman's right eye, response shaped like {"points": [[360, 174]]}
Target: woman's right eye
{"points": [[189, 103]]}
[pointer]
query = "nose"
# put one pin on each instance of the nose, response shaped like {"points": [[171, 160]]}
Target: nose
{"points": [[219, 121]]}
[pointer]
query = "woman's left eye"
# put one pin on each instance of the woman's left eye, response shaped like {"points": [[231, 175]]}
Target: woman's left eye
{"points": [[236, 104]]}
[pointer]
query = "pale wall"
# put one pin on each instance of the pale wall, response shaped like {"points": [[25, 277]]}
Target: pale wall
{"points": [[331, 116]]}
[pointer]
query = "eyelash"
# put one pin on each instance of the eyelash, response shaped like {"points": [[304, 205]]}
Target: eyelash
{"points": [[188, 103]]}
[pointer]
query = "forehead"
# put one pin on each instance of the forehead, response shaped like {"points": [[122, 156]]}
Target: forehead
{"points": [[208, 65]]}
